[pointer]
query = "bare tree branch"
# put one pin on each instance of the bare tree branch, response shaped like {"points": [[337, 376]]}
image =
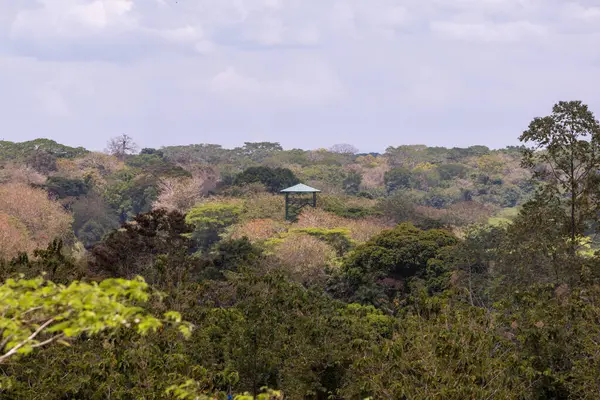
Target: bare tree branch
{"points": [[31, 337]]}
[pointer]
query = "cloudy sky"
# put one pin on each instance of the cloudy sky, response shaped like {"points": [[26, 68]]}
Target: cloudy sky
{"points": [[306, 73]]}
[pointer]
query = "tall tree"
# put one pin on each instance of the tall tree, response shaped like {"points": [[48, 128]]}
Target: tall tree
{"points": [[565, 154], [275, 179], [133, 249], [343, 148], [121, 145], [258, 151], [397, 178]]}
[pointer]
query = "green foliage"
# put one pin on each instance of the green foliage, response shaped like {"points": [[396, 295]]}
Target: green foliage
{"points": [[42, 161], [213, 214], [258, 151], [91, 232], [263, 205], [204, 385], [287, 157], [35, 313], [132, 250], [53, 262], [352, 183], [451, 353], [130, 193], [92, 219], [451, 171], [151, 151], [377, 269], [250, 332], [275, 179], [134, 189], [397, 178], [509, 310], [411, 155], [535, 248], [399, 207], [340, 206], [509, 196], [155, 164], [441, 198], [25, 150], [505, 216], [204, 154], [285, 336], [210, 220], [331, 176], [231, 255], [66, 187], [567, 144], [194, 390], [552, 328], [403, 251]]}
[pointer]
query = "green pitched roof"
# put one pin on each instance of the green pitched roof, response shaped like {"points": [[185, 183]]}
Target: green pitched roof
{"points": [[300, 188]]}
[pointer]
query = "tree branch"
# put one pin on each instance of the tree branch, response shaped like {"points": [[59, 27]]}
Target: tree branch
{"points": [[48, 341], [6, 340], [14, 350]]}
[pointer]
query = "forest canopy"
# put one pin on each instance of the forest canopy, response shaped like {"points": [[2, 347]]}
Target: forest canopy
{"points": [[421, 273]]}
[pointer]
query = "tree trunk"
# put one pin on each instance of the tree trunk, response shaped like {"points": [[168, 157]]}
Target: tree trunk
{"points": [[573, 196], [254, 366]]}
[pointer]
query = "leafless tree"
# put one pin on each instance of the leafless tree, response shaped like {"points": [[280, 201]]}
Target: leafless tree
{"points": [[343, 148], [121, 145]]}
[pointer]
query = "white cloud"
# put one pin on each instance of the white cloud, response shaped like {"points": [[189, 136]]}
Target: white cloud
{"points": [[240, 88], [100, 14], [70, 18], [379, 72], [204, 47], [184, 34], [488, 32], [269, 32], [583, 13], [52, 103]]}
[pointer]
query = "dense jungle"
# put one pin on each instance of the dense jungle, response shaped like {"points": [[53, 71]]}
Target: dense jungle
{"points": [[422, 272]]}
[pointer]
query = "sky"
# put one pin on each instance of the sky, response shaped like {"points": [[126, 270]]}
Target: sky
{"points": [[305, 73]]}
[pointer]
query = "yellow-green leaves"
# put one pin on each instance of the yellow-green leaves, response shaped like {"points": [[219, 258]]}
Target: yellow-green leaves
{"points": [[210, 220], [219, 214], [193, 390], [35, 312]]}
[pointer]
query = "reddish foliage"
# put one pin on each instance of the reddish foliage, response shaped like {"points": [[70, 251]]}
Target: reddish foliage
{"points": [[13, 238], [42, 219], [303, 257], [257, 229], [361, 230]]}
